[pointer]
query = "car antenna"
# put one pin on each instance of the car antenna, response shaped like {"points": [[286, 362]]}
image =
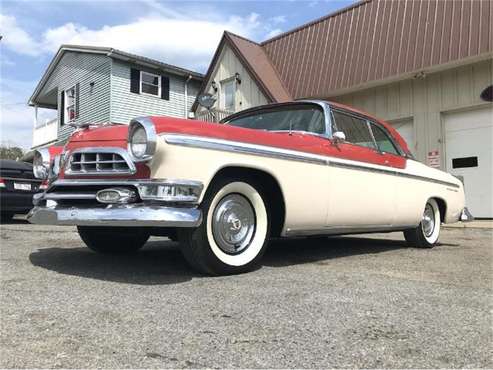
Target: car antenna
{"points": [[290, 127]]}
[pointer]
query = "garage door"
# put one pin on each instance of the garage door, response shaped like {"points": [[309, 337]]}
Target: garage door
{"points": [[469, 155], [406, 129]]}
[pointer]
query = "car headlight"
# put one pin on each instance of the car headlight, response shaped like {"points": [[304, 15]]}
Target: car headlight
{"points": [[141, 139], [41, 163]]}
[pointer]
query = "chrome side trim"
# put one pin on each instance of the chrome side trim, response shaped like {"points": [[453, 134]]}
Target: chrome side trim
{"points": [[109, 150], [390, 172], [285, 154], [65, 196], [244, 148], [134, 215], [123, 182], [341, 230]]}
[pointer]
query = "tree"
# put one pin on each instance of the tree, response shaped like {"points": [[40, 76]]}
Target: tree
{"points": [[11, 152]]}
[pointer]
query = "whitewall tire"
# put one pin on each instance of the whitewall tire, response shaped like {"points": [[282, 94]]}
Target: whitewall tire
{"points": [[234, 231], [428, 231]]}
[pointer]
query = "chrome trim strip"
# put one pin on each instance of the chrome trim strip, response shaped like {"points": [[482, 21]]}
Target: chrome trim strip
{"points": [[109, 150], [351, 229], [390, 172], [243, 148], [277, 153], [130, 215], [196, 186], [64, 196]]}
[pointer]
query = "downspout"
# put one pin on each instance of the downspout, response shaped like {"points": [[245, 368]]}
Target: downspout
{"points": [[186, 95]]}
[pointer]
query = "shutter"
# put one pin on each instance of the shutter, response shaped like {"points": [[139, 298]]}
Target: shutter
{"points": [[62, 108], [165, 87], [77, 89], [135, 81]]}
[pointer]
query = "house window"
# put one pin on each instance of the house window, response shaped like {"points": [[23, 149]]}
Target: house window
{"points": [[70, 104], [150, 84], [228, 89]]}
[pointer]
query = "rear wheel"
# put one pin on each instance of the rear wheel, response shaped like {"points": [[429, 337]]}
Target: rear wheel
{"points": [[234, 233], [427, 233], [113, 240]]}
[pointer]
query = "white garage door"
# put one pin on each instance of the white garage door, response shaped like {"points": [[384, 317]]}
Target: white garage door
{"points": [[469, 155], [406, 129]]}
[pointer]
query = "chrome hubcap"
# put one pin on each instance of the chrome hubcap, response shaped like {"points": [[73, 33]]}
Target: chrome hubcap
{"points": [[428, 220], [233, 224]]}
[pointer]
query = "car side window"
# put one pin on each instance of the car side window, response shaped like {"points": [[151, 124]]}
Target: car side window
{"points": [[355, 129], [383, 140]]}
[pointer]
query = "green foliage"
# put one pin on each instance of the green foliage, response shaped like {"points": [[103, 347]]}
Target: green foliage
{"points": [[11, 152]]}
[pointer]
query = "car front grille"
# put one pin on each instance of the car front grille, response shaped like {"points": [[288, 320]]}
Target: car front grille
{"points": [[100, 161]]}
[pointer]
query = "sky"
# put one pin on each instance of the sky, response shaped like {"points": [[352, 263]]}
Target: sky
{"points": [[182, 33]]}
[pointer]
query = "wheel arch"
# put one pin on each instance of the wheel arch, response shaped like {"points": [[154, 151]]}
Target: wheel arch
{"points": [[276, 200], [442, 207]]}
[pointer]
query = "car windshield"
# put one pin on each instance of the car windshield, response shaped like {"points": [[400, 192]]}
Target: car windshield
{"points": [[307, 118]]}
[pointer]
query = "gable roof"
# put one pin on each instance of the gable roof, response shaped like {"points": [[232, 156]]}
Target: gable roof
{"points": [[255, 61], [370, 42], [115, 54]]}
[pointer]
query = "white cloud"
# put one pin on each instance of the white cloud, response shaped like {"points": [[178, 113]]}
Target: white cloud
{"points": [[187, 41], [15, 38], [273, 33], [278, 19]]}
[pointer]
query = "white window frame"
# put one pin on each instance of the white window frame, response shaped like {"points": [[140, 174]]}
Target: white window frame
{"points": [[67, 106], [223, 94], [158, 84]]}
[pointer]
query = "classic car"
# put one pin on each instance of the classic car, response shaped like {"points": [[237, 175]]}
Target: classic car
{"points": [[17, 187], [281, 170]]}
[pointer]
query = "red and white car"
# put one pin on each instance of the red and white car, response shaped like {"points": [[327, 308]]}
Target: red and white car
{"points": [[289, 169]]}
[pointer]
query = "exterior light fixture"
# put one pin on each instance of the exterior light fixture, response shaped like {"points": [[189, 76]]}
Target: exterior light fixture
{"points": [[238, 78], [214, 86]]}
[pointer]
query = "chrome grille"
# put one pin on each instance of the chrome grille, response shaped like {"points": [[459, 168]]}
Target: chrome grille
{"points": [[99, 161]]}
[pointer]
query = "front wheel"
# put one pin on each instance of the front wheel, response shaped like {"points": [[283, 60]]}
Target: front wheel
{"points": [[234, 233], [113, 240], [427, 233]]}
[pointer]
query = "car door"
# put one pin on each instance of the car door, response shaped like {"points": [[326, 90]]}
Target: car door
{"points": [[361, 191]]}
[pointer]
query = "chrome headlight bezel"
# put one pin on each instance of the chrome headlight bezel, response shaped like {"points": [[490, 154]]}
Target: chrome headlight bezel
{"points": [[147, 125], [41, 163]]}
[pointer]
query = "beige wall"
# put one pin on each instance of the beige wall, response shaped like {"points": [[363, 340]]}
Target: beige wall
{"points": [[424, 101], [248, 93]]}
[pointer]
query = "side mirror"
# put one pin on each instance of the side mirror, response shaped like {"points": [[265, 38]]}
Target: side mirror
{"points": [[338, 137]]}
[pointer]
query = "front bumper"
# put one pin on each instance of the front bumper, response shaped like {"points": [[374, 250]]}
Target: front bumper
{"points": [[75, 202], [128, 215]]}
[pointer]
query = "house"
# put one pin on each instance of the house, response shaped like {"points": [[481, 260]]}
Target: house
{"points": [[87, 84], [421, 65]]}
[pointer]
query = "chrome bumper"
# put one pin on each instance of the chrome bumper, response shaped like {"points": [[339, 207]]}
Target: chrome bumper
{"points": [[129, 215]]}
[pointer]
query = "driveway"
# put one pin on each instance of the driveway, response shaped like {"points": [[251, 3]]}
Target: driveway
{"points": [[365, 301]]}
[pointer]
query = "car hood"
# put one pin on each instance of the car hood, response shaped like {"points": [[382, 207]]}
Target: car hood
{"points": [[112, 132]]}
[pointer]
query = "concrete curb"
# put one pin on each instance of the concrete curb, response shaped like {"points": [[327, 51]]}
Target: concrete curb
{"points": [[479, 224]]}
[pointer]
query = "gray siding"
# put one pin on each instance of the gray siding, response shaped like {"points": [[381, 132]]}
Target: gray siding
{"points": [[126, 105], [425, 101], [82, 68]]}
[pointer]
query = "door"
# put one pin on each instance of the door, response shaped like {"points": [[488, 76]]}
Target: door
{"points": [[361, 194], [405, 128], [469, 156]]}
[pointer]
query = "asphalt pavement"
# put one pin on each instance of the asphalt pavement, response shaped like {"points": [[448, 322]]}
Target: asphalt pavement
{"points": [[362, 301]]}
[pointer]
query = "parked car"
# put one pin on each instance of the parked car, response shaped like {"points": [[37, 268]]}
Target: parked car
{"points": [[17, 187], [289, 169]]}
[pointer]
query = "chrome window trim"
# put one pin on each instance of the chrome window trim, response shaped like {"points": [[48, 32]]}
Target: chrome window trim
{"points": [[285, 154], [150, 130], [103, 149]]}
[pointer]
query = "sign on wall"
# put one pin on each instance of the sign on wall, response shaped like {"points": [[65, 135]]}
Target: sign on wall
{"points": [[433, 159]]}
